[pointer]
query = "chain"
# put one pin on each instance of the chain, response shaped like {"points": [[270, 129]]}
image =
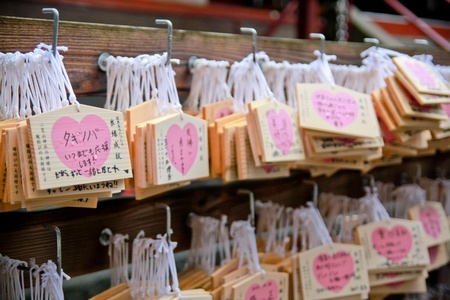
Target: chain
{"points": [[341, 20]]}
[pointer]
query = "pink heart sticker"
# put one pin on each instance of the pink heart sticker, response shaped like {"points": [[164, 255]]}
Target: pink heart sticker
{"points": [[433, 253], [421, 74], [281, 130], [339, 109], [268, 168], [334, 272], [223, 113], [446, 108], [395, 285], [182, 146], [393, 244], [430, 221], [82, 146], [269, 290]]}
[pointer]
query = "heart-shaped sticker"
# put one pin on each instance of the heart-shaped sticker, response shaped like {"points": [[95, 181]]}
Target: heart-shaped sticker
{"points": [[334, 272], [433, 253], [269, 290], [340, 110], [82, 146], [393, 244], [223, 112], [281, 130], [421, 73], [430, 221], [268, 168], [182, 146]]}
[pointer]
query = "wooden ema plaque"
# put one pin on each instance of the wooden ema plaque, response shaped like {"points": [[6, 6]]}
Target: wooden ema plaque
{"points": [[336, 109], [377, 279], [423, 99], [394, 245], [246, 167], [421, 76], [179, 148], [278, 132], [84, 146], [333, 144], [333, 271], [405, 122], [433, 218], [271, 285], [29, 185], [218, 110], [408, 106]]}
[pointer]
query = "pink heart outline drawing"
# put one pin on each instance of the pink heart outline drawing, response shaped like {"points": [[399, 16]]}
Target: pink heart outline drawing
{"points": [[421, 74], [281, 130], [430, 220], [82, 146], [393, 244], [334, 272], [269, 290], [182, 146], [339, 110]]}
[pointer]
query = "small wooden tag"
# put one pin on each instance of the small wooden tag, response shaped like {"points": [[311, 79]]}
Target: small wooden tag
{"points": [[87, 146], [218, 110], [434, 222], [278, 131], [408, 106], [247, 169], [394, 245], [417, 285], [271, 285], [332, 271], [336, 109], [406, 122], [421, 76], [377, 279], [179, 148], [29, 185], [423, 99]]}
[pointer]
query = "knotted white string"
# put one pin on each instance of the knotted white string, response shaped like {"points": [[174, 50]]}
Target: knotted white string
{"points": [[208, 83]]}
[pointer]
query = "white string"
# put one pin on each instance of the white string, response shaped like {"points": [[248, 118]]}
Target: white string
{"points": [[407, 196], [371, 206], [245, 245], [118, 255], [313, 227], [224, 241], [247, 82], [208, 83]]}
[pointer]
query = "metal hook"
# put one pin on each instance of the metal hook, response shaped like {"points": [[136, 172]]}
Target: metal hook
{"points": [[58, 246], [321, 37], [254, 38], [105, 237], [423, 42], [168, 218], [102, 61], [251, 198], [169, 37], [315, 191], [55, 13], [374, 41], [418, 173], [372, 183]]}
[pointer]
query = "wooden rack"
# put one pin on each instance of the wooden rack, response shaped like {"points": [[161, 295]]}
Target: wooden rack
{"points": [[20, 235]]}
